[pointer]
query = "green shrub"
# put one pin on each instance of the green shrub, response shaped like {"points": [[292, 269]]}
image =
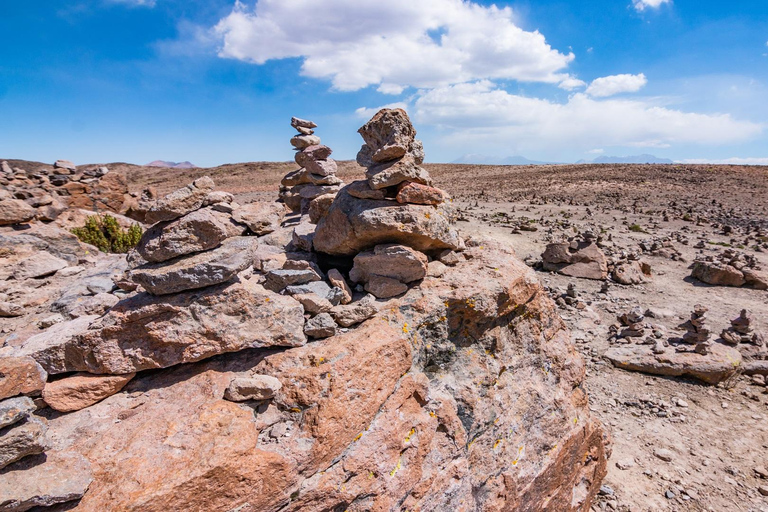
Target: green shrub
{"points": [[106, 234], [637, 229]]}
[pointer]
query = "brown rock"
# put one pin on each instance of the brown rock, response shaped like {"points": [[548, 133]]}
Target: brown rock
{"points": [[355, 312], [260, 217], [54, 345], [21, 376], [305, 141], [82, 390], [628, 273], [22, 440], [755, 278], [14, 211], [717, 274], [389, 134], [362, 190], [40, 265], [395, 172], [255, 387], [181, 202], [319, 206], [398, 262], [312, 153], [298, 177], [385, 287], [337, 280], [321, 167], [416, 193]]}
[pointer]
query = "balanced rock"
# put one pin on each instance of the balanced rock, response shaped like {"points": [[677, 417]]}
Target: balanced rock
{"points": [[416, 193], [395, 172], [64, 164], [388, 134], [181, 202], [197, 270], [83, 390]]}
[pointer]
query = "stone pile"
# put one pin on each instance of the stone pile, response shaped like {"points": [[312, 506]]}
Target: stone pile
{"points": [[697, 332], [45, 193], [316, 181], [577, 257], [730, 268], [633, 322], [742, 331]]}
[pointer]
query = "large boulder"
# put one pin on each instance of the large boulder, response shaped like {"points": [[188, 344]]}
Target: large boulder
{"points": [[198, 231], [51, 347], [143, 332], [181, 202], [197, 270], [718, 274], [15, 211], [353, 225], [584, 260]]}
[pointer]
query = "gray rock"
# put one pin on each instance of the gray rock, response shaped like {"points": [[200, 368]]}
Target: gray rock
{"points": [[319, 288], [385, 287], [197, 270], [362, 190], [294, 178], [22, 439], [40, 265], [323, 168], [304, 141], [312, 154], [321, 326], [398, 262], [37, 482], [278, 280], [15, 211], [16, 409], [314, 304], [181, 202], [389, 134], [303, 236], [393, 173], [100, 284], [64, 164], [356, 312], [260, 217], [297, 122], [255, 387]]}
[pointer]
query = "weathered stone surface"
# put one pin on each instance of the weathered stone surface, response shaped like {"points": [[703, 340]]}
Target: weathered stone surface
{"points": [[22, 440], [260, 217], [395, 172], [298, 177], [13, 410], [313, 304], [717, 274], [278, 280], [628, 272], [416, 193], [255, 387], [75, 306], [304, 141], [15, 211], [64, 164], [40, 265], [584, 260], [297, 122], [143, 332], [82, 390], [388, 134], [337, 280], [719, 364], [10, 310], [353, 225], [181, 202], [319, 288], [44, 482], [319, 206], [321, 326], [756, 279], [394, 261], [355, 312], [304, 236], [322, 167], [197, 270], [198, 231], [50, 348], [21, 376], [385, 287], [329, 180], [312, 153], [362, 190]]}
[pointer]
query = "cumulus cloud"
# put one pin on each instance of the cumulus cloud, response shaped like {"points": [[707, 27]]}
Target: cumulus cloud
{"points": [[482, 113], [641, 5], [571, 83], [616, 84], [393, 44]]}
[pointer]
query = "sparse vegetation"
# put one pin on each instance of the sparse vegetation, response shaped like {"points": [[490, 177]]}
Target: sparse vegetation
{"points": [[105, 233], [636, 228]]}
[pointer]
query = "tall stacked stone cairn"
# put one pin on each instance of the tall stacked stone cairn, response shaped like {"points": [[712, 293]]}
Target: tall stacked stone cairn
{"points": [[741, 331], [697, 332], [317, 176]]}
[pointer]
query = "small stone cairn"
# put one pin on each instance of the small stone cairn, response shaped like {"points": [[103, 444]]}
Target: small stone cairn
{"points": [[741, 331], [697, 333], [317, 176]]}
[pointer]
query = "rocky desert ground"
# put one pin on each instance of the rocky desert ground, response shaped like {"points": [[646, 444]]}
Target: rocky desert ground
{"points": [[381, 341]]}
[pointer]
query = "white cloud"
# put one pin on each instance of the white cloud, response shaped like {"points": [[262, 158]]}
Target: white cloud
{"points": [[641, 5], [727, 161], [571, 83], [616, 84], [480, 114], [596, 151], [393, 44]]}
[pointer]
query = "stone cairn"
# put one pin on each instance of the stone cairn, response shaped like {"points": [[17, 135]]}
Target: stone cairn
{"points": [[741, 331], [317, 176], [697, 333]]}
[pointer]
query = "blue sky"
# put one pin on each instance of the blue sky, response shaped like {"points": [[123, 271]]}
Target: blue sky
{"points": [[215, 82]]}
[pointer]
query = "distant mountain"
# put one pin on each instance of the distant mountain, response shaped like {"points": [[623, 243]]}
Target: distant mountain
{"points": [[172, 165], [494, 160], [634, 159]]}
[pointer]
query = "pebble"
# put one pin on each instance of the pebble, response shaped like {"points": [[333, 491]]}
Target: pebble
{"points": [[763, 489], [663, 454], [625, 464], [669, 495], [606, 490]]}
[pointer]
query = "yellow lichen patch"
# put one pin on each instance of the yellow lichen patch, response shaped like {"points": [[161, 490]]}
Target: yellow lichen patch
{"points": [[397, 468], [497, 443], [295, 409], [427, 215], [432, 413], [266, 299], [371, 475], [575, 420], [405, 328], [410, 434], [358, 437]]}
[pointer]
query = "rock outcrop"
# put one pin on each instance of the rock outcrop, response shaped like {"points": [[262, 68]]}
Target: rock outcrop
{"points": [[730, 268], [577, 258]]}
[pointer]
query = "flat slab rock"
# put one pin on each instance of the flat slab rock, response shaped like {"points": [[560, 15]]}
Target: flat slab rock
{"points": [[44, 480], [181, 202], [197, 270], [82, 390], [720, 364]]}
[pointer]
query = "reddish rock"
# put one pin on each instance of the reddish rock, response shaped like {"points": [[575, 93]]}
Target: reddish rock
{"points": [[416, 193], [82, 390], [717, 274], [21, 376]]}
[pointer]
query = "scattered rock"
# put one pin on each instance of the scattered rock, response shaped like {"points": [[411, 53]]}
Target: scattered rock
{"points": [[338, 281], [321, 326], [14, 211]]}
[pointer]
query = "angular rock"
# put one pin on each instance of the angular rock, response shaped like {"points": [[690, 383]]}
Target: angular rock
{"points": [[628, 273], [34, 482], [324, 168], [337, 280], [77, 306], [262, 218], [755, 278], [16, 409], [143, 332], [416, 193], [356, 312], [717, 274], [330, 180], [22, 440], [53, 346], [14, 211], [398, 262], [389, 134], [278, 280], [304, 141], [64, 164], [297, 122], [21, 376], [40, 265], [255, 387], [720, 364], [319, 288], [321, 326], [395, 172], [181, 202], [197, 270], [200, 230], [362, 190], [312, 154], [313, 304], [10, 310], [319, 206], [385, 287], [298, 177], [82, 390], [303, 236], [353, 225]]}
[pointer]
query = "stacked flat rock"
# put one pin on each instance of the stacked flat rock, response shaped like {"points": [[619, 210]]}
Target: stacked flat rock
{"points": [[741, 331], [697, 332], [395, 204], [317, 176], [633, 323]]}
